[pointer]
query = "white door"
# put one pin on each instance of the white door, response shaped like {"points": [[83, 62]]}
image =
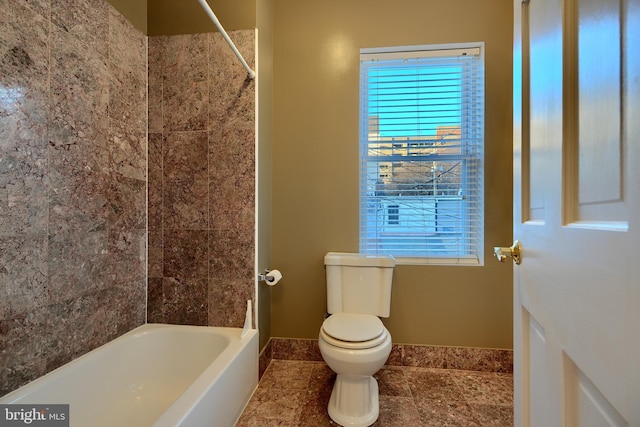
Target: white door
{"points": [[577, 212]]}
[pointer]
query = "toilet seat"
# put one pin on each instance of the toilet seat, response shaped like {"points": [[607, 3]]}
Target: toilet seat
{"points": [[353, 331]]}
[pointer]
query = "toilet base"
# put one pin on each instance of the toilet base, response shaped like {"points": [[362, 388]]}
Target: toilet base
{"points": [[354, 401]]}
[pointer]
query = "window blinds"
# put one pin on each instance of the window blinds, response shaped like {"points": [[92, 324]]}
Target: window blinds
{"points": [[421, 151]]}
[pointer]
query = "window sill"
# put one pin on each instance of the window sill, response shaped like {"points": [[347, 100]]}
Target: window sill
{"points": [[465, 262]]}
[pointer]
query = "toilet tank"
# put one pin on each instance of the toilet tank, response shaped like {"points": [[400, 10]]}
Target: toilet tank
{"points": [[358, 283]]}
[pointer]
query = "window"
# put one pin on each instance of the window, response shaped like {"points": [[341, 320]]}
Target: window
{"points": [[421, 153]]}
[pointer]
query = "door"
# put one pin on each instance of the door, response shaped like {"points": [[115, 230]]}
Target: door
{"points": [[577, 212]]}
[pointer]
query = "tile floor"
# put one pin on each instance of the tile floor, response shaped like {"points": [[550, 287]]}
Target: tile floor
{"points": [[296, 393]]}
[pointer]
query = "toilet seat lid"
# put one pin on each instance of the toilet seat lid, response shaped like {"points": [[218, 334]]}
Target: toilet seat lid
{"points": [[353, 327]]}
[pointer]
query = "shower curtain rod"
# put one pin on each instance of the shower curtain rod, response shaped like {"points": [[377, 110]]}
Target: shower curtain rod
{"points": [[215, 20]]}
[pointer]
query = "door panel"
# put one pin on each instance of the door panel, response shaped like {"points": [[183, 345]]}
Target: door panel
{"points": [[577, 212], [541, 410], [594, 161], [542, 21], [588, 406], [599, 134]]}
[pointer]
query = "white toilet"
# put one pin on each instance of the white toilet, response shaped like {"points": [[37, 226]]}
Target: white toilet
{"points": [[353, 341]]}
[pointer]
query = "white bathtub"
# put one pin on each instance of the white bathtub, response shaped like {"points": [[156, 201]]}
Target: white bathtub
{"points": [[155, 375]]}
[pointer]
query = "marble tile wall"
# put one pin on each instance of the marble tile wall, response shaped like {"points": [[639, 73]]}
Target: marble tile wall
{"points": [[201, 179], [73, 153]]}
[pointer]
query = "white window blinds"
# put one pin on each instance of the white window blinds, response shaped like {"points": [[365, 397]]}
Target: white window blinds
{"points": [[421, 152]]}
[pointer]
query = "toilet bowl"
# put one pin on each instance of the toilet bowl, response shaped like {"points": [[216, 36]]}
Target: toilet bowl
{"points": [[352, 340], [355, 346]]}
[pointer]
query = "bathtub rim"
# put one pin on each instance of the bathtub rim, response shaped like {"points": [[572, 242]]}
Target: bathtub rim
{"points": [[181, 409], [136, 332]]}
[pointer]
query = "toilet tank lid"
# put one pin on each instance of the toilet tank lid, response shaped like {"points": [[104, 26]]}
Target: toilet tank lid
{"points": [[359, 260]]}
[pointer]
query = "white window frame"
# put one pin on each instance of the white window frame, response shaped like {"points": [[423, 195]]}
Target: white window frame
{"points": [[473, 234]]}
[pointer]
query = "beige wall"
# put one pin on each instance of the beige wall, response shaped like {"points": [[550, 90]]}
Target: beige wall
{"points": [[264, 117], [315, 165], [187, 17], [134, 10], [168, 17]]}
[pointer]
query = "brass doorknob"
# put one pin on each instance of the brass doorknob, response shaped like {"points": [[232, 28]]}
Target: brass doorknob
{"points": [[514, 252]]}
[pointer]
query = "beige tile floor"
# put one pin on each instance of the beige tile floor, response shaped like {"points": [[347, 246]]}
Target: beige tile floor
{"points": [[296, 393]]}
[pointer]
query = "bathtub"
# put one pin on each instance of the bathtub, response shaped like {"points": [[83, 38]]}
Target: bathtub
{"points": [[155, 375]]}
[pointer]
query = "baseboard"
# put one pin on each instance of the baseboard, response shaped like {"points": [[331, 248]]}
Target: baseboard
{"points": [[423, 356]]}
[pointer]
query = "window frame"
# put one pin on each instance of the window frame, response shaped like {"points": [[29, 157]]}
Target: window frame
{"points": [[425, 51]]}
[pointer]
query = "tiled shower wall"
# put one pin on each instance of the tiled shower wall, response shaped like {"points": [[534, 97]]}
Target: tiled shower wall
{"points": [[201, 180], [73, 151]]}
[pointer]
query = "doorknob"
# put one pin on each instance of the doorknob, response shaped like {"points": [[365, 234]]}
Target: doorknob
{"points": [[513, 252]]}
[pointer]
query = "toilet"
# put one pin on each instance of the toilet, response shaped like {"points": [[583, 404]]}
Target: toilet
{"points": [[353, 341]]}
